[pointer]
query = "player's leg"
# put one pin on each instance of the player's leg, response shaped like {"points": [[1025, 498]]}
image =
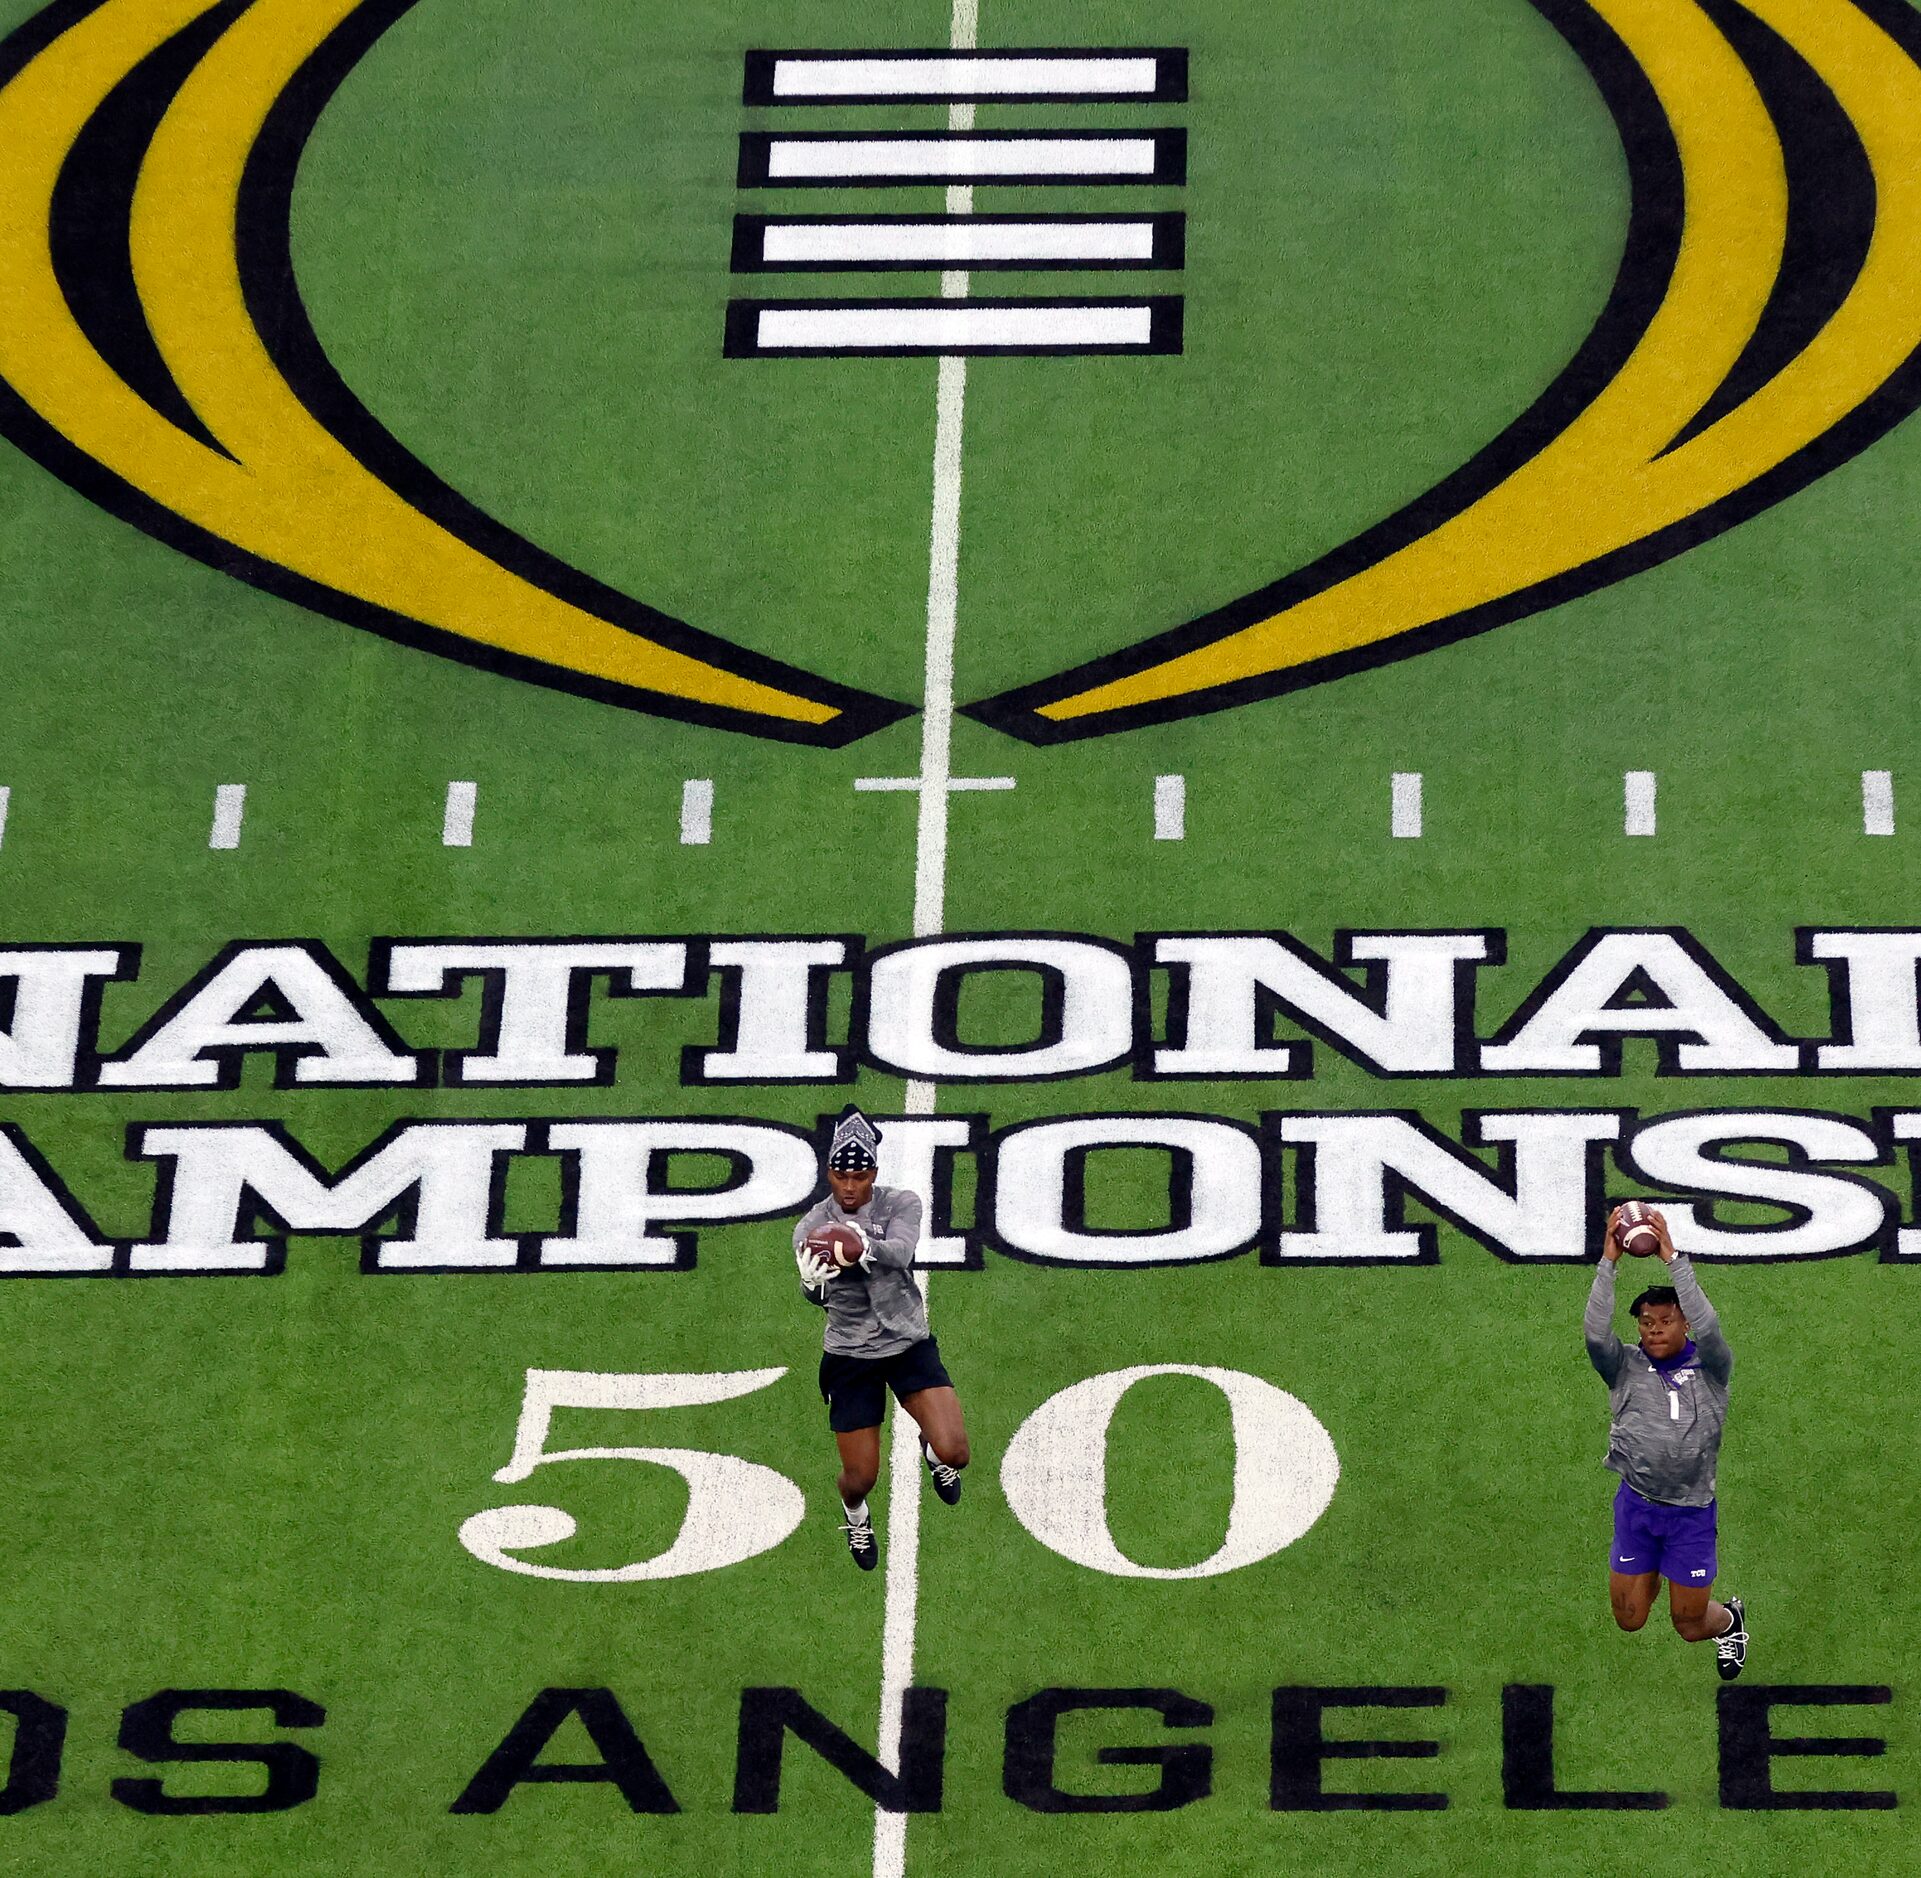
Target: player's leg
{"points": [[859, 1469], [1631, 1597], [938, 1411], [926, 1391], [943, 1437], [1696, 1614], [1634, 1562], [859, 1464], [1689, 1566], [1701, 1618], [856, 1399]]}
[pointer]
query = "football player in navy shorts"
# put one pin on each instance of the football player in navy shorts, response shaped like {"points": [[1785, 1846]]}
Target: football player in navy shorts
{"points": [[876, 1337]]}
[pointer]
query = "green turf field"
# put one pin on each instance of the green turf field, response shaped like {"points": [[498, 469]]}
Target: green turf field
{"points": [[272, 292]]}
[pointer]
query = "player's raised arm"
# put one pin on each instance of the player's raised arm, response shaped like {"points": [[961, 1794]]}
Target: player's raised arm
{"points": [[1704, 1323], [1604, 1348]]}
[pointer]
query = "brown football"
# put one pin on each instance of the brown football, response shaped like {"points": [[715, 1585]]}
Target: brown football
{"points": [[841, 1245], [1634, 1228]]}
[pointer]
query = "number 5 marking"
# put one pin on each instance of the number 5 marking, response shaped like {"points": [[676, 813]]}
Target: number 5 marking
{"points": [[735, 1509]]}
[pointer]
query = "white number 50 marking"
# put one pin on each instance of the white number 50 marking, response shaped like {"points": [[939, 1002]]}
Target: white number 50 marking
{"points": [[735, 1509]]}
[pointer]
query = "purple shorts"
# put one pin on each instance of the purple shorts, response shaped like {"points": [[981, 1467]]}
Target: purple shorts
{"points": [[1676, 1541]]}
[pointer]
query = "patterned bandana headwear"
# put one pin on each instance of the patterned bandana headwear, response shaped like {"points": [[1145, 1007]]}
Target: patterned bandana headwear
{"points": [[856, 1144]]}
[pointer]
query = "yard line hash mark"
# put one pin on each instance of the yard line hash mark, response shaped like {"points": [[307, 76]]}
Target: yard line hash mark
{"points": [[1404, 808], [229, 806], [1637, 802], [696, 812], [1877, 802], [1170, 808], [457, 821]]}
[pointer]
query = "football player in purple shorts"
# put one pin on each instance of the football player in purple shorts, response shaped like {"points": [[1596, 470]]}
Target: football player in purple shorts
{"points": [[1668, 1396]]}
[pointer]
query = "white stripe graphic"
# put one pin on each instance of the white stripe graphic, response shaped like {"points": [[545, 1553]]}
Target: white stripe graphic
{"points": [[930, 909], [6, 795], [1877, 802], [1092, 75], [945, 244], [457, 823], [835, 159], [229, 805], [836, 325]]}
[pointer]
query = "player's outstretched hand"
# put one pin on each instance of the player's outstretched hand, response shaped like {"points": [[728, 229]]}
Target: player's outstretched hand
{"points": [[1660, 1225], [1610, 1240], [814, 1270]]}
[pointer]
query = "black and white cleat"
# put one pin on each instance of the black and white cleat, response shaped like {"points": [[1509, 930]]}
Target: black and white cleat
{"points": [[947, 1480], [1731, 1647], [862, 1543]]}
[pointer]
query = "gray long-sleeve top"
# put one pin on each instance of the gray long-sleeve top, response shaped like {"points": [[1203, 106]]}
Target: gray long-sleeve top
{"points": [[1667, 1419], [873, 1309]]}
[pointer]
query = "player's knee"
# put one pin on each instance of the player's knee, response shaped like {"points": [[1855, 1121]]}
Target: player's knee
{"points": [[1691, 1629], [954, 1452], [1630, 1617]]}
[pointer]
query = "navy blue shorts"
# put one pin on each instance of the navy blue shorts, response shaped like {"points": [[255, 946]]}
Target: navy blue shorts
{"points": [[1676, 1541], [855, 1387]]}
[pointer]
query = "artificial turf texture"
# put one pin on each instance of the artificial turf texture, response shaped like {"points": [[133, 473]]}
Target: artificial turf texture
{"points": [[511, 230]]}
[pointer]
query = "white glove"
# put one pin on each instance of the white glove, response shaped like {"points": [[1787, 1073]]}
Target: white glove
{"points": [[814, 1270], [866, 1259]]}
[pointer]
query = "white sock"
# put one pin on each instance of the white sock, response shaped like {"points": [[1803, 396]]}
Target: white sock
{"points": [[858, 1514], [928, 1453]]}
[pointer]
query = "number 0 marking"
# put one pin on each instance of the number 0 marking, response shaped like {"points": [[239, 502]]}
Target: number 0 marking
{"points": [[1054, 1473]]}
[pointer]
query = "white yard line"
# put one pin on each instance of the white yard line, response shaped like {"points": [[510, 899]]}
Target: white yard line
{"points": [[930, 907], [6, 795]]}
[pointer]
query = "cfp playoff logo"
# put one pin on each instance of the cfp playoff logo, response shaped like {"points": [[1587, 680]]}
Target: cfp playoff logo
{"points": [[1762, 330], [959, 243]]}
